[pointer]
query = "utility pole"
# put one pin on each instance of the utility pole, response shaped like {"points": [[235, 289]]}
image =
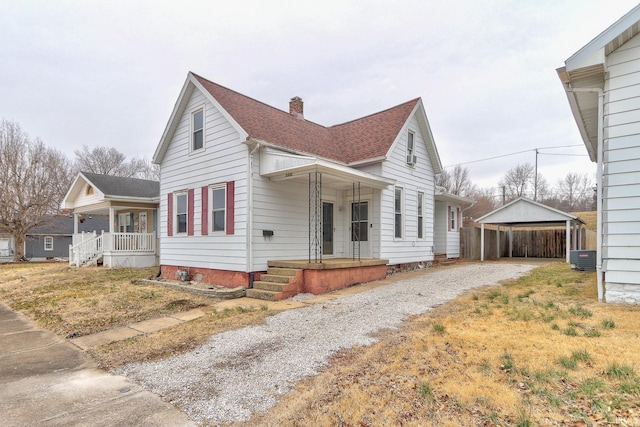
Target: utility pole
{"points": [[535, 180]]}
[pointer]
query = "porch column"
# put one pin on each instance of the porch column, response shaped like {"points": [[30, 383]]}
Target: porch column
{"points": [[481, 242], [112, 218], [568, 240], [498, 241], [75, 223]]}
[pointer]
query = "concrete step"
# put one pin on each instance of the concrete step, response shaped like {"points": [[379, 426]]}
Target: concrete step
{"points": [[281, 271], [264, 295], [274, 278], [269, 286]]}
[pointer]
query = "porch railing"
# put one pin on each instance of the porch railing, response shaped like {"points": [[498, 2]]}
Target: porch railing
{"points": [[130, 242], [89, 247]]}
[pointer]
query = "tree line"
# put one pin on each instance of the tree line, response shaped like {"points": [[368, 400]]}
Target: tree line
{"points": [[35, 178], [575, 192]]}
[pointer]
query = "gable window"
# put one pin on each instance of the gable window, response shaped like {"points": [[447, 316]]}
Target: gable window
{"points": [[48, 243], [181, 212], [218, 207], [411, 156], [197, 129], [398, 213], [420, 215]]}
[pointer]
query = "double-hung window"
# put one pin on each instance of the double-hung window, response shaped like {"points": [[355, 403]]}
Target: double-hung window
{"points": [[197, 129], [181, 212], [218, 207], [398, 213], [411, 153], [420, 215], [48, 243]]}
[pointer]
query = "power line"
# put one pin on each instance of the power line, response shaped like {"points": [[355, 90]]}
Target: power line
{"points": [[517, 152]]}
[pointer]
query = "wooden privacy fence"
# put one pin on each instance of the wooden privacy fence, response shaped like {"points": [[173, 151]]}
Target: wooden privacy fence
{"points": [[549, 243]]}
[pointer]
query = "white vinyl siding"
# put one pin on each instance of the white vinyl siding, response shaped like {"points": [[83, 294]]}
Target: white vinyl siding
{"points": [[621, 191], [411, 179], [223, 158]]}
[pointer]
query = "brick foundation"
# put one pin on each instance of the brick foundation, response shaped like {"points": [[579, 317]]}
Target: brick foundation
{"points": [[227, 278], [327, 280]]}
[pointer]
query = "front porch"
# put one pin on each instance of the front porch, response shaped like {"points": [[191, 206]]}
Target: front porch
{"points": [[114, 249], [286, 278]]}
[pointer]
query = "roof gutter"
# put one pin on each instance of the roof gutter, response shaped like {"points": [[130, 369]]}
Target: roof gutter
{"points": [[599, 184]]}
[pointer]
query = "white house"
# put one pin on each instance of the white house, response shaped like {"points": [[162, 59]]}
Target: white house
{"points": [[602, 84], [131, 205], [246, 188]]}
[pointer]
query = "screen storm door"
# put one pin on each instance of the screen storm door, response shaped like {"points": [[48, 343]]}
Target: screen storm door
{"points": [[327, 228], [360, 228]]}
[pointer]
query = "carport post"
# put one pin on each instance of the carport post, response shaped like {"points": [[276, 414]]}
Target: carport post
{"points": [[568, 240], [498, 241], [481, 242], [510, 242]]}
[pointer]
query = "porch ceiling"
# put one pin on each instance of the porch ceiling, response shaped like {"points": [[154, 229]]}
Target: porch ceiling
{"points": [[283, 166]]}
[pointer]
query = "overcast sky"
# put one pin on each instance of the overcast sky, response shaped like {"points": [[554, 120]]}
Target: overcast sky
{"points": [[109, 72]]}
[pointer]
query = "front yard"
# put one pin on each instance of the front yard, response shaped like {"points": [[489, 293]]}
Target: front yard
{"points": [[537, 351]]}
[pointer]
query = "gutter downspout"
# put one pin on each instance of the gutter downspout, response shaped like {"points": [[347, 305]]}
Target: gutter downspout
{"points": [[599, 183], [250, 211]]}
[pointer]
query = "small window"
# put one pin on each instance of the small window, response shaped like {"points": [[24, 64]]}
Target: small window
{"points": [[218, 207], [411, 156], [197, 126], [420, 215], [454, 219], [181, 213], [398, 213], [48, 243]]}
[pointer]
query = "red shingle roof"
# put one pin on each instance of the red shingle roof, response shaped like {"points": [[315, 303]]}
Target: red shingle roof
{"points": [[361, 139]]}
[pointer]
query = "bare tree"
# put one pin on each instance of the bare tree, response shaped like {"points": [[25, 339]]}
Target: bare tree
{"points": [[33, 181], [456, 181], [485, 202], [575, 192], [109, 161], [517, 180]]}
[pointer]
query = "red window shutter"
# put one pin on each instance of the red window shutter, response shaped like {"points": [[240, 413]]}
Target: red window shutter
{"points": [[204, 229], [449, 218], [190, 199], [170, 214], [230, 207]]}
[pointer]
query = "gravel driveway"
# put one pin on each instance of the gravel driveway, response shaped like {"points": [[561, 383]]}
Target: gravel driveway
{"points": [[246, 370]]}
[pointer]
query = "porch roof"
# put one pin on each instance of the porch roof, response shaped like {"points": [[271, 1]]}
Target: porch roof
{"points": [[280, 166]]}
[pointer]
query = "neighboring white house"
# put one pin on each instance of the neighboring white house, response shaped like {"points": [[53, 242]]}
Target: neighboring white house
{"points": [[448, 222], [131, 205], [244, 185], [602, 84]]}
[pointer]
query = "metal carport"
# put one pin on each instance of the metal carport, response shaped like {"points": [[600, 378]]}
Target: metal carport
{"points": [[523, 212]]}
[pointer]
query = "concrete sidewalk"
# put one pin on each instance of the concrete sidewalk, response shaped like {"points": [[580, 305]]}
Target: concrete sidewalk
{"points": [[45, 380]]}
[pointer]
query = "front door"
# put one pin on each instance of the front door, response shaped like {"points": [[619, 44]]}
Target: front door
{"points": [[360, 229], [142, 222], [327, 228]]}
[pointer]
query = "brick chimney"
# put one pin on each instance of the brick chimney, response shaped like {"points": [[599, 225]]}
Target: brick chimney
{"points": [[296, 107]]}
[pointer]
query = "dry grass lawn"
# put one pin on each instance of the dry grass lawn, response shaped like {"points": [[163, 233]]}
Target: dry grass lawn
{"points": [[536, 351], [74, 302]]}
